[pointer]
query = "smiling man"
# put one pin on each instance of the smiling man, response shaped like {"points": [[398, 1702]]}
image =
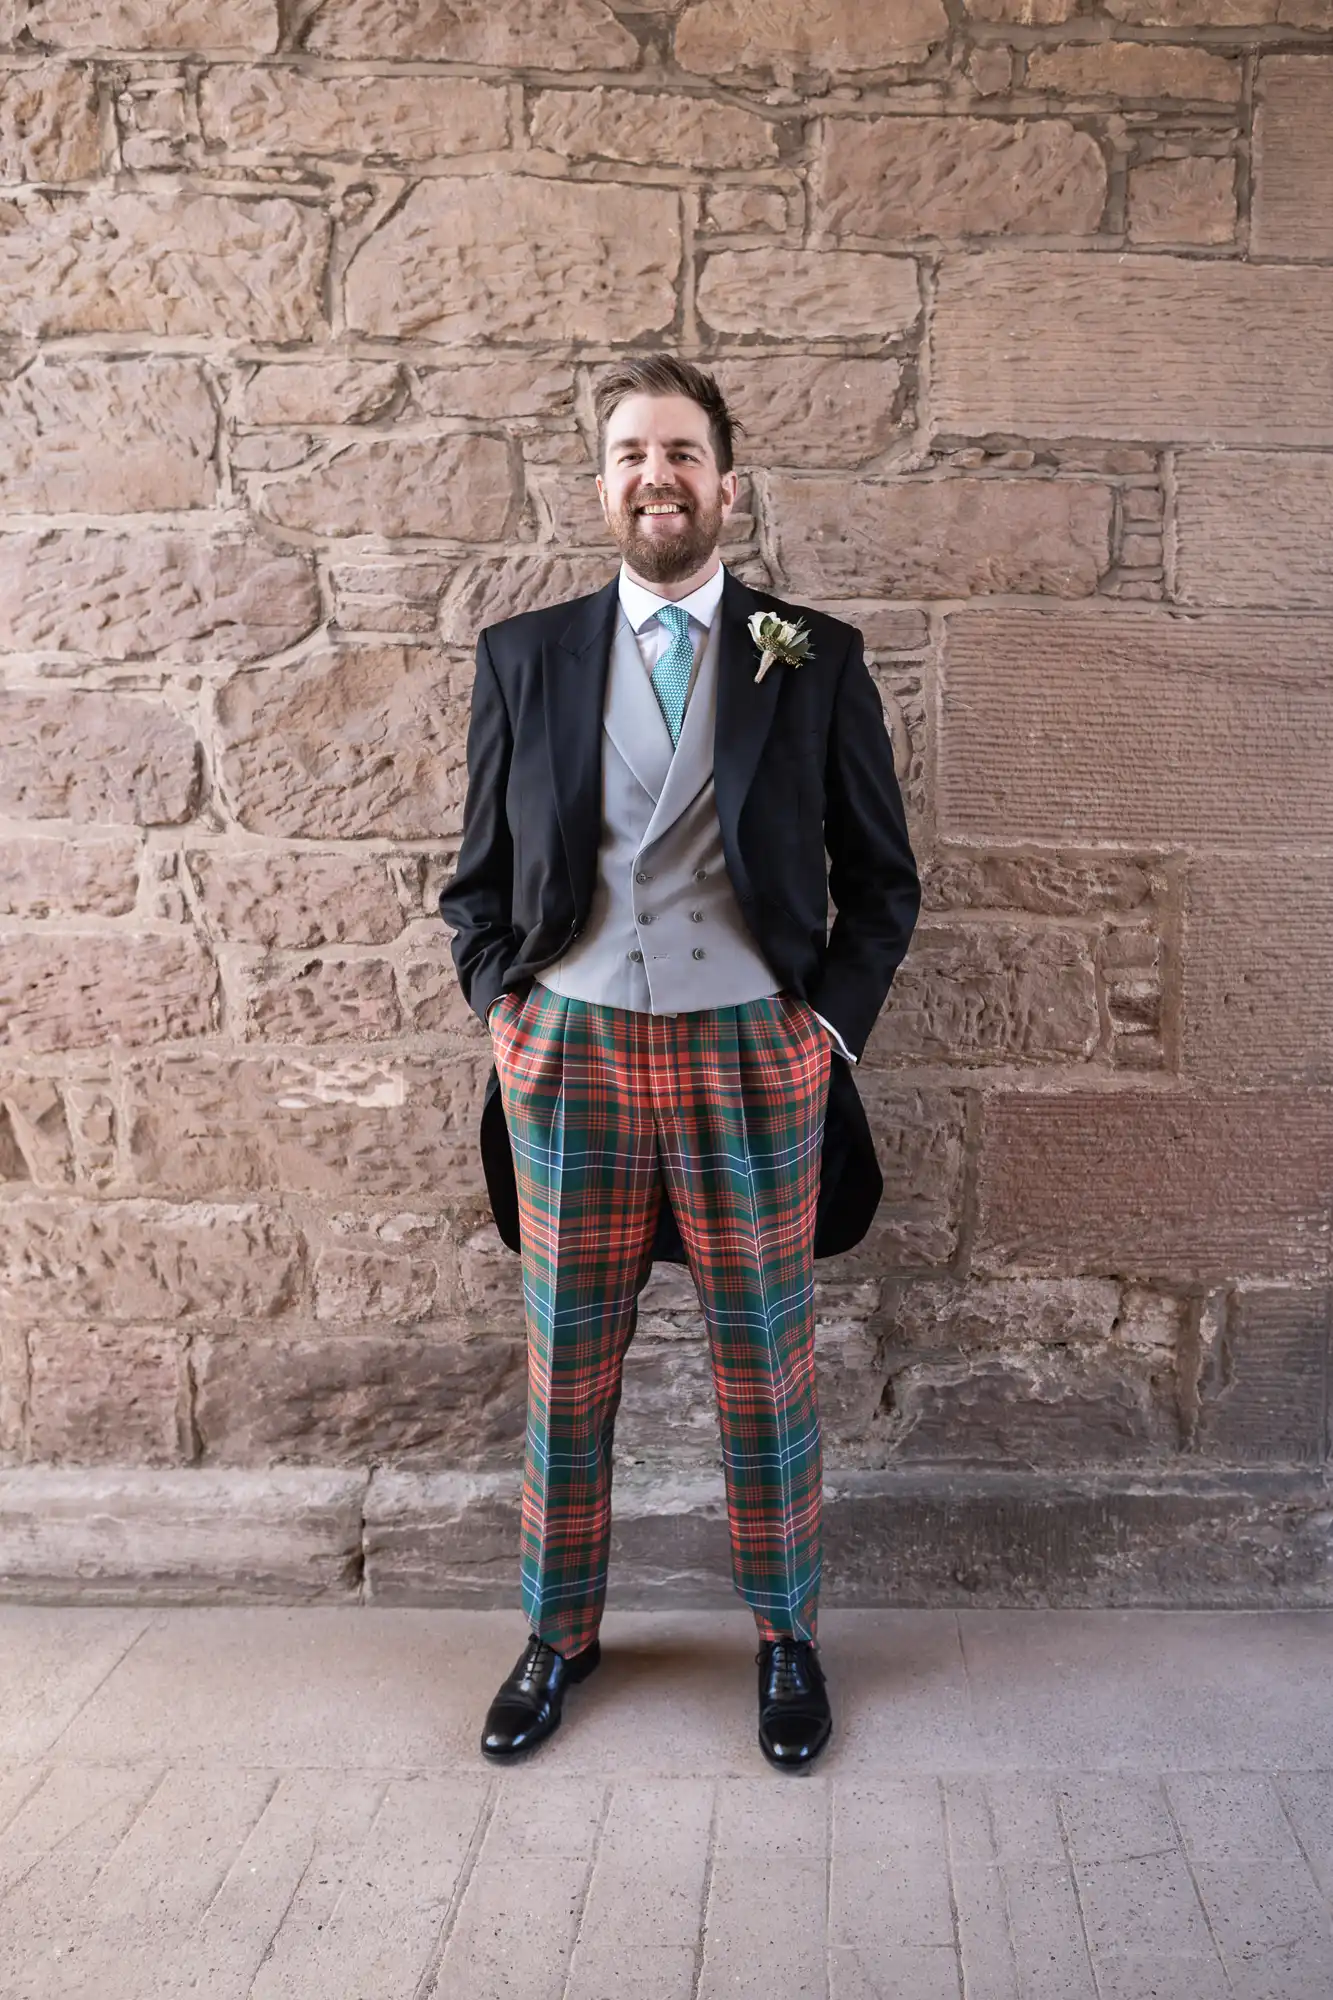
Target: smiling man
{"points": [[659, 805]]}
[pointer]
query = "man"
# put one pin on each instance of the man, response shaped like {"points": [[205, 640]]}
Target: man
{"points": [[640, 911]]}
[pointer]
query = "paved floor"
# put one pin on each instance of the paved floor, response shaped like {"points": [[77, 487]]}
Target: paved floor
{"points": [[1015, 1806]]}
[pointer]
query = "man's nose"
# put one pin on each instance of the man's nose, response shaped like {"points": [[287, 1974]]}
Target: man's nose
{"points": [[657, 467]]}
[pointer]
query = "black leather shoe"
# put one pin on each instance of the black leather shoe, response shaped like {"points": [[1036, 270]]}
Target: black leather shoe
{"points": [[527, 1707], [794, 1715]]}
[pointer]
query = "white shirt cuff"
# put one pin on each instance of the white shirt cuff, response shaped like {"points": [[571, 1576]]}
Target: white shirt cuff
{"points": [[843, 1049]]}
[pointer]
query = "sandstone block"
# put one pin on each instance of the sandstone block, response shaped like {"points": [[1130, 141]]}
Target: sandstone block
{"points": [[102, 1394], [13, 1392], [50, 126], [296, 744], [315, 1000], [1184, 340], [833, 35], [512, 257], [213, 25], [80, 992], [1156, 1185], [491, 1277], [266, 111], [1293, 157], [951, 537], [431, 997], [96, 757], [44, 877], [1258, 968], [1263, 1394], [1222, 13], [320, 392], [1128, 726], [334, 1401], [455, 487], [1003, 1315], [387, 599], [736, 211], [579, 35], [501, 586], [375, 1285], [376, 1125], [668, 1414], [1135, 69], [485, 389], [1051, 885], [35, 1133], [166, 597], [1022, 13], [809, 294], [107, 437], [136, 261], [903, 178], [1046, 1406], [919, 1141], [295, 898], [1010, 993], [1183, 201], [650, 128], [140, 1261], [1252, 528], [808, 410]]}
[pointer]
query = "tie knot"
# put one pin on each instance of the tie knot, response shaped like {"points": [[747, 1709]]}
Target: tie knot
{"points": [[676, 619]]}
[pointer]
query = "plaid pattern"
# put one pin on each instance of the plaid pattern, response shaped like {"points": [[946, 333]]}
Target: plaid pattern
{"points": [[726, 1106]]}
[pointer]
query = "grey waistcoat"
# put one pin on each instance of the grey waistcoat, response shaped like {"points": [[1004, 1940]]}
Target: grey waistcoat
{"points": [[664, 933]]}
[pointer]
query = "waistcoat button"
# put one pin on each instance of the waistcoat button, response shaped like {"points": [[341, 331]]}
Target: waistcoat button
{"points": [[696, 916], [698, 951], [637, 956], [644, 917], [642, 875], [701, 874]]}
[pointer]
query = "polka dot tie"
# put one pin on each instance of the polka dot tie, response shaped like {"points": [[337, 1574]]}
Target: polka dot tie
{"points": [[671, 675]]}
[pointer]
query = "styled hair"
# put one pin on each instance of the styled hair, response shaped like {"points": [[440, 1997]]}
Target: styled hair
{"points": [[666, 375]]}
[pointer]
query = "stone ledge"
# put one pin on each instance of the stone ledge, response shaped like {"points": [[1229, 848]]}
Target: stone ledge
{"points": [[920, 1536]]}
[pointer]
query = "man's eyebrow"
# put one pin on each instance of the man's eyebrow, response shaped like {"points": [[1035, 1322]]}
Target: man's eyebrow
{"points": [[695, 443]]}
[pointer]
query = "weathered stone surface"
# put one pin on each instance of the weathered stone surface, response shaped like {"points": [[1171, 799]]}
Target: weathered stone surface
{"points": [[379, 1125], [355, 1285], [511, 257], [146, 1260], [501, 586], [1051, 885], [833, 35], [1222, 13], [828, 294], [1135, 69], [107, 437], [1054, 1407], [96, 757], [214, 25], [456, 487], [315, 1000], [1129, 726], [37, 1140], [1024, 13], [1155, 1185], [124, 1534], [100, 1394], [1183, 342], [651, 128], [13, 1393], [431, 997], [1183, 201], [338, 1401], [1293, 157], [942, 1316], [1263, 1392], [152, 597], [140, 261], [48, 877], [802, 410], [388, 599], [79, 992], [580, 34], [952, 537], [668, 1414], [1252, 528], [362, 740], [901, 178], [1006, 993], [919, 1139], [262, 111], [336, 391], [740, 210], [488, 389], [295, 898], [1257, 998], [50, 127]]}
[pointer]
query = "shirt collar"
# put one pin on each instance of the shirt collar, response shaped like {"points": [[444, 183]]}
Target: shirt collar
{"points": [[641, 604]]}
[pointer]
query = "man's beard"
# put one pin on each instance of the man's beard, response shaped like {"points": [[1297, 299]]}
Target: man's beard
{"points": [[666, 558]]}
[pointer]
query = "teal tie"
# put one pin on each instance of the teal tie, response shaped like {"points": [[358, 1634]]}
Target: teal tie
{"points": [[671, 675]]}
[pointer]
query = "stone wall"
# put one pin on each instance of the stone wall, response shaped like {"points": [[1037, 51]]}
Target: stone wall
{"points": [[1027, 307]]}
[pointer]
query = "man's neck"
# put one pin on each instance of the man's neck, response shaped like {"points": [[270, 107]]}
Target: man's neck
{"points": [[678, 587]]}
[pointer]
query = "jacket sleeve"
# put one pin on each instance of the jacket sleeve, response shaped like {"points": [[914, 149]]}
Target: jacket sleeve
{"points": [[476, 901], [873, 877]]}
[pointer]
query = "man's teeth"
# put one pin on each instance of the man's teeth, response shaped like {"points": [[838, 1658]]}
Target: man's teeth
{"points": [[664, 508]]}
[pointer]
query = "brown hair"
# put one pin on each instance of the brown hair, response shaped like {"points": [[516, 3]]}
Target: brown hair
{"points": [[667, 375]]}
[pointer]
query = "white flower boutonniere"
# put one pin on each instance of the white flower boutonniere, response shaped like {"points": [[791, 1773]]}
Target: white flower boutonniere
{"points": [[778, 639]]}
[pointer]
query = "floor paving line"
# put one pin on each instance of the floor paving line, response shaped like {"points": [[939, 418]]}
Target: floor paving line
{"points": [[431, 1970]]}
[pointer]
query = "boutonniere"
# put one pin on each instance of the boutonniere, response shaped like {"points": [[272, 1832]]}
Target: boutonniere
{"points": [[778, 639]]}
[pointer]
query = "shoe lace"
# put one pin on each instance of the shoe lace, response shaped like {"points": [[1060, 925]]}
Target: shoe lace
{"points": [[536, 1659], [787, 1675]]}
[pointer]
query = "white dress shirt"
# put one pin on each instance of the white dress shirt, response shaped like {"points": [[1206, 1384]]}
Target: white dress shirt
{"points": [[641, 607]]}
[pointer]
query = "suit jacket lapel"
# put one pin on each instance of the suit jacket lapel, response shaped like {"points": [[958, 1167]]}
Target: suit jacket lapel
{"points": [[744, 710], [574, 671]]}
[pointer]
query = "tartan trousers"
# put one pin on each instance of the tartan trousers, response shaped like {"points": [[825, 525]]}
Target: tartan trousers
{"points": [[725, 1107]]}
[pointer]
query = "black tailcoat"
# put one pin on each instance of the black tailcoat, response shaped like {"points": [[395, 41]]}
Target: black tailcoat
{"points": [[809, 806]]}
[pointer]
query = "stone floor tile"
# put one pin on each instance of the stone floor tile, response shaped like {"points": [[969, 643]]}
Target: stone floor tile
{"points": [[53, 1659], [1046, 1921], [985, 1947], [889, 1880], [645, 1900], [911, 1972], [768, 1899]]}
